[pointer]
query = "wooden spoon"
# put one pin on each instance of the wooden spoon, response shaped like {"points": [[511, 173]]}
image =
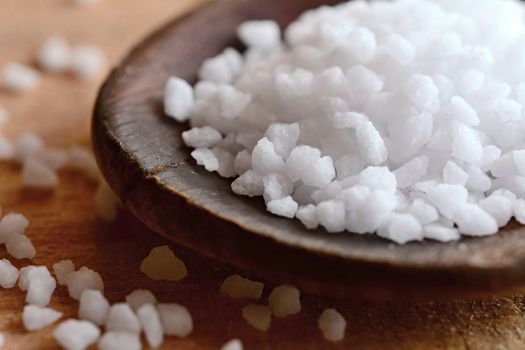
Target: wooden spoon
{"points": [[145, 162]]}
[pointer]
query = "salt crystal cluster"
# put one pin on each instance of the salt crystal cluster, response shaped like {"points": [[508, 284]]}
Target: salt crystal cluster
{"points": [[402, 118]]}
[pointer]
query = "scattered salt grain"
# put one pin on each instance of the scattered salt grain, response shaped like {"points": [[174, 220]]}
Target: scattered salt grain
{"points": [[206, 158], [261, 35], [11, 225], [204, 137], [76, 335], [83, 279], [26, 145], [285, 207], [19, 78], [36, 317], [87, 61], [150, 321], [93, 307], [38, 283], [176, 320], [37, 174], [55, 54], [122, 318], [62, 270], [162, 265], [332, 325], [8, 274], [115, 340], [20, 247], [285, 300], [140, 297], [258, 316], [178, 101], [234, 344], [237, 287]]}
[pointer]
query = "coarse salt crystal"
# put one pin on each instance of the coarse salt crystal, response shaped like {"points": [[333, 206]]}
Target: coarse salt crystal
{"points": [[234, 344], [285, 301], [87, 61], [117, 340], [11, 225], [93, 307], [176, 320], [20, 247], [76, 335], [37, 174], [55, 54], [83, 279], [122, 318], [285, 207], [62, 270], [178, 99], [20, 78], [150, 321], [8, 274], [258, 316], [332, 325], [162, 265], [140, 297], [237, 287], [36, 317]]}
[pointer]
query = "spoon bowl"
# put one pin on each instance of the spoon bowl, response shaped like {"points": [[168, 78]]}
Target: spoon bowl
{"points": [[144, 160]]}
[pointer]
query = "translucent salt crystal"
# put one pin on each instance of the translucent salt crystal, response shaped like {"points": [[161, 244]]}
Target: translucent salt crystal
{"points": [[11, 225], [354, 196], [518, 157], [176, 320], [478, 181], [284, 137], [327, 193], [371, 145], [222, 68], [83, 279], [237, 287], [453, 174], [470, 81], [206, 158], [474, 221], [234, 344], [499, 207], [204, 137], [117, 340], [37, 174], [248, 184], [504, 166], [300, 160], [122, 318], [423, 93], [377, 206], [8, 274], [258, 316], [332, 215], [93, 307], [242, 162], [332, 325], [55, 54], [448, 198], [265, 160], [260, 34], [440, 232], [140, 297], [461, 110], [20, 247], [411, 171], [36, 317], [378, 178], [150, 322], [19, 78], [321, 173], [285, 301], [225, 159], [298, 83], [232, 102], [424, 212], [62, 270], [403, 228], [285, 207], [162, 265], [466, 145], [76, 335], [87, 61], [38, 283], [308, 216]]}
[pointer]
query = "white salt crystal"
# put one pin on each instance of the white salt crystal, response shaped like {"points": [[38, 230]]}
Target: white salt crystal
{"points": [[242, 162], [332, 325], [363, 81], [453, 174], [76, 335], [403, 228], [7, 149], [39, 285], [162, 265], [140, 297], [299, 83], [118, 340], [225, 158], [411, 171], [400, 49], [519, 161], [204, 137], [474, 221], [178, 99], [466, 146], [424, 212], [19, 78], [223, 68], [150, 322], [62, 270], [176, 320], [346, 120], [93, 307], [53, 158], [285, 207], [491, 154], [461, 110], [237, 287], [478, 181], [37, 174], [285, 301], [308, 216], [83, 279], [261, 35], [122, 318], [354, 196], [8, 274], [26, 145], [234, 344], [300, 160], [87, 61], [321, 173], [11, 225], [258, 316], [332, 215], [20, 247], [248, 184], [206, 158], [36, 317], [519, 211], [371, 145], [378, 178], [504, 166], [265, 160], [499, 207], [55, 54], [284, 137], [377, 206], [448, 198], [423, 93], [442, 233]]}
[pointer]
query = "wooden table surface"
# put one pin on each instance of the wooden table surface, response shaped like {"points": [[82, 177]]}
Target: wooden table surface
{"points": [[63, 223]]}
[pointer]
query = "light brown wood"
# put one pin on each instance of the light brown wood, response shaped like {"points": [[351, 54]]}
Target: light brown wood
{"points": [[63, 224]]}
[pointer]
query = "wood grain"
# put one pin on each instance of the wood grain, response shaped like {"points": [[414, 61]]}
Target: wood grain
{"points": [[63, 224], [142, 156]]}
